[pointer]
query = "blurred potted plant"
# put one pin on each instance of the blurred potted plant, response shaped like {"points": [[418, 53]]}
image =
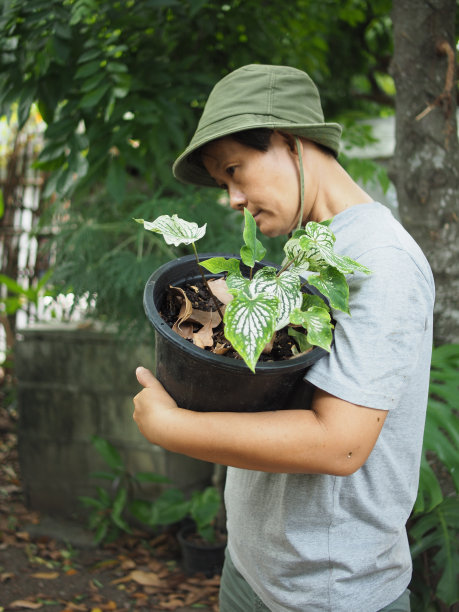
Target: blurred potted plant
{"points": [[201, 540]]}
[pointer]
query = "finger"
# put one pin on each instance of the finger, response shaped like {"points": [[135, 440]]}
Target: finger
{"points": [[145, 377]]}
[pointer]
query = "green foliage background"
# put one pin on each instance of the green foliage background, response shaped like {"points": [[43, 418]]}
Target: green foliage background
{"points": [[121, 86]]}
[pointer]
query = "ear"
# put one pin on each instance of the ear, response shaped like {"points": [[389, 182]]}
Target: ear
{"points": [[291, 142]]}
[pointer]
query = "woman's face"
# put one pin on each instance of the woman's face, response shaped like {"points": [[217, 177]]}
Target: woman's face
{"points": [[266, 183]]}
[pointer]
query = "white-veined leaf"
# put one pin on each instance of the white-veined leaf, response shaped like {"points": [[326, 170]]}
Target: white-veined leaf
{"points": [[286, 288], [249, 325], [174, 230], [333, 285], [294, 252], [236, 283], [317, 243], [317, 323]]}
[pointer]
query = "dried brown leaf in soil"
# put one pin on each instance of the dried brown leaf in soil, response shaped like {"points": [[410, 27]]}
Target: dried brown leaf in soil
{"points": [[185, 330], [204, 336], [269, 347], [205, 316], [220, 349], [220, 289], [186, 307]]}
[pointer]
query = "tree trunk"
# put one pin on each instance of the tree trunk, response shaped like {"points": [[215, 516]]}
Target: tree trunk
{"points": [[425, 168]]}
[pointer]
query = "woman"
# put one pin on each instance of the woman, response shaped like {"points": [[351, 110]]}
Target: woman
{"points": [[317, 500]]}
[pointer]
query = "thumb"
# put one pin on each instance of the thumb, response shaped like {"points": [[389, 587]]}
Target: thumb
{"points": [[145, 377]]}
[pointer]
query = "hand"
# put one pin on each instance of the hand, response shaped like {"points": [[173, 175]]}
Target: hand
{"points": [[152, 406]]}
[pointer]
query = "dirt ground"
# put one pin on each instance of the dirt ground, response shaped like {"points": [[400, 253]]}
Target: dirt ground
{"points": [[39, 572]]}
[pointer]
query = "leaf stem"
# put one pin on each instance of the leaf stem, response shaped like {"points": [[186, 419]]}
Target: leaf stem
{"points": [[204, 280], [287, 265]]}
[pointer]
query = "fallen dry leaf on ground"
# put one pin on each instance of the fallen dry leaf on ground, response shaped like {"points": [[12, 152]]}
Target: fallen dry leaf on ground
{"points": [[23, 603], [141, 577], [46, 575]]}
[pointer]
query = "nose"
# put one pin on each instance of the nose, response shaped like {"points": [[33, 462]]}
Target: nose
{"points": [[237, 198]]}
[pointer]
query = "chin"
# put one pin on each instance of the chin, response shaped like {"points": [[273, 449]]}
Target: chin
{"points": [[273, 232]]}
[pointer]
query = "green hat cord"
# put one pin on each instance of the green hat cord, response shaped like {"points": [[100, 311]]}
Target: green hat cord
{"points": [[300, 161]]}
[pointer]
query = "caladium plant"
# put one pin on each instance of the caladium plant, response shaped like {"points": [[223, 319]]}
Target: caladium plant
{"points": [[269, 299]]}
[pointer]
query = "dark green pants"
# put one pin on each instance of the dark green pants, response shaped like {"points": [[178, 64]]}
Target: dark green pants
{"points": [[237, 596]]}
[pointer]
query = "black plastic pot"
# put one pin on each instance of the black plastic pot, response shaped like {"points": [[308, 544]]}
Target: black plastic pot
{"points": [[200, 380], [200, 557]]}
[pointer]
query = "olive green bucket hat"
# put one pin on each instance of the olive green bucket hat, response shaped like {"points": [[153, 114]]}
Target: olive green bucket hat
{"points": [[258, 96]]}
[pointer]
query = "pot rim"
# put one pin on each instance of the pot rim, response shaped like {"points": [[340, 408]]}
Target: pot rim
{"points": [[295, 363]]}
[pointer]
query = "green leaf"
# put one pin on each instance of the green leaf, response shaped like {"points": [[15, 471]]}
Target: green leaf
{"points": [[285, 287], [151, 477], [333, 285], [104, 475], [91, 502], [318, 242], [2, 204], [317, 323], [438, 530], [310, 299], [253, 250], [101, 532], [300, 338], [87, 69], [250, 324], [119, 503], [108, 453], [12, 285], [89, 55], [204, 509], [94, 97], [140, 509], [170, 507], [429, 492], [174, 230], [221, 264], [116, 180]]}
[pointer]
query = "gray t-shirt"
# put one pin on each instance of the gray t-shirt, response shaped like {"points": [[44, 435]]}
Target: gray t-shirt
{"points": [[316, 543]]}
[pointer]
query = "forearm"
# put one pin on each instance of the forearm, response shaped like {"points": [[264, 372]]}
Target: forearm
{"points": [[285, 441], [335, 437]]}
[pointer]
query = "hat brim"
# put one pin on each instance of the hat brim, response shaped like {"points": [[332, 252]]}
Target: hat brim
{"points": [[190, 172]]}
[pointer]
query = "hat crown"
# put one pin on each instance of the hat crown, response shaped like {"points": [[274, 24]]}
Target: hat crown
{"points": [[276, 93]]}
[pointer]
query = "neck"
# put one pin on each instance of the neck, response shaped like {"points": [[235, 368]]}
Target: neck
{"points": [[335, 190]]}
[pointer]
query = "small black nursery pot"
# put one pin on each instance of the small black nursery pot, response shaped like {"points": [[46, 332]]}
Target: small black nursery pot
{"points": [[200, 380], [200, 556]]}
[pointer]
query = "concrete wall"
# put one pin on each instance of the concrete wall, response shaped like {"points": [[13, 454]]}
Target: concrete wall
{"points": [[73, 383]]}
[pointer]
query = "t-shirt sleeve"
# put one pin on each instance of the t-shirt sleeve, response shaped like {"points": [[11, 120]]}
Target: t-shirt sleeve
{"points": [[376, 347]]}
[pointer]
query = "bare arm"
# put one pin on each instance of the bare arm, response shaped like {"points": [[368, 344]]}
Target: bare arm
{"points": [[335, 437]]}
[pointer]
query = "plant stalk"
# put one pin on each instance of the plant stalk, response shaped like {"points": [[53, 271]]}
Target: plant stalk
{"points": [[204, 280], [287, 265]]}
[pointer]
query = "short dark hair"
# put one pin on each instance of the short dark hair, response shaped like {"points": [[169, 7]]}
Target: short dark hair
{"points": [[257, 138]]}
